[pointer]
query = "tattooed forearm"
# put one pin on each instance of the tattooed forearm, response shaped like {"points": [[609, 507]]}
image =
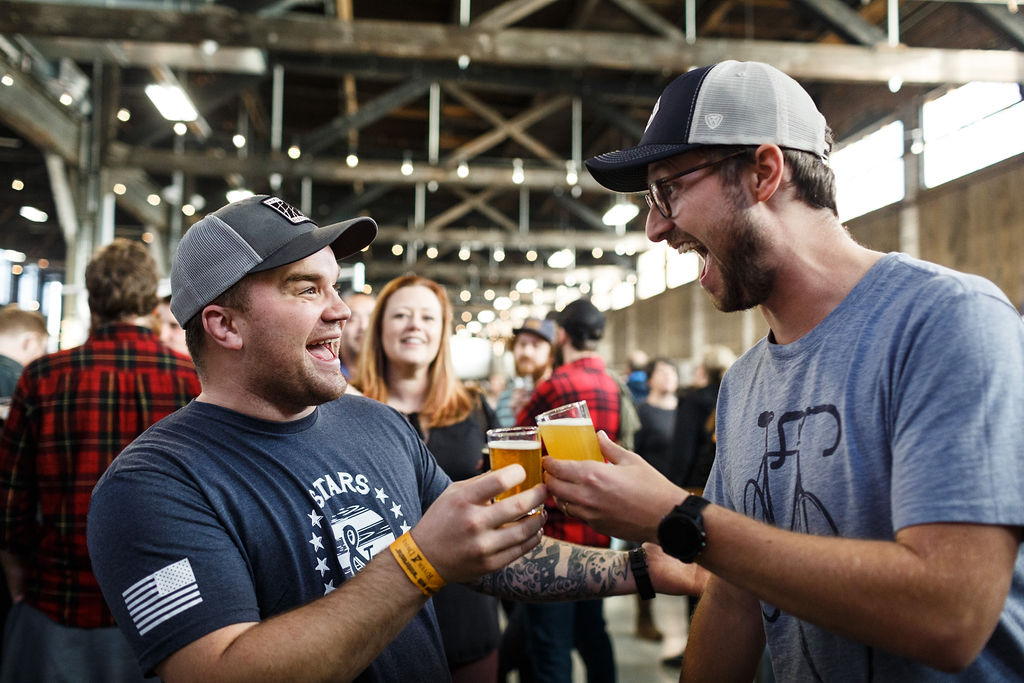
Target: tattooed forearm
{"points": [[556, 570]]}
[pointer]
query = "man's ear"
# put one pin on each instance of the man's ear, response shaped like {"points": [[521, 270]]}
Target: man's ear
{"points": [[769, 168], [222, 324]]}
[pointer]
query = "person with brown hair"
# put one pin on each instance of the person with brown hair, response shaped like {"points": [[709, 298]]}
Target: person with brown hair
{"points": [[408, 365], [73, 411], [862, 519]]}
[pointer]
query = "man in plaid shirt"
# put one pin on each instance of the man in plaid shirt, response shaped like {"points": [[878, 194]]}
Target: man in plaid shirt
{"points": [[72, 412], [554, 629]]}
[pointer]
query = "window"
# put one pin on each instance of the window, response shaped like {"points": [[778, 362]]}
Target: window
{"points": [[969, 128], [869, 172]]}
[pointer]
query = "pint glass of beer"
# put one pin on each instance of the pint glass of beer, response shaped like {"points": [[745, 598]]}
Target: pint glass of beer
{"points": [[516, 445], [568, 432]]}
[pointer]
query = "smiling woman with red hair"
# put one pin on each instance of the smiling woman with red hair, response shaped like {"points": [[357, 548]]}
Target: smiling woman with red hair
{"points": [[406, 362]]}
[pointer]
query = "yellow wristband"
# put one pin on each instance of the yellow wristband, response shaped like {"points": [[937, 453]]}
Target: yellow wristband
{"points": [[412, 561]]}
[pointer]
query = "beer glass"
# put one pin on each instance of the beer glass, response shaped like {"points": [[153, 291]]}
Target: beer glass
{"points": [[568, 432], [516, 445]]}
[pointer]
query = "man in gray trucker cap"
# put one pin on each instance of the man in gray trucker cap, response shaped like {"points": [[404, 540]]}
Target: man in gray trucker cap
{"points": [[278, 529], [863, 515]]}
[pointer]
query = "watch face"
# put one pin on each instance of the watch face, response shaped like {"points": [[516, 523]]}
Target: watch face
{"points": [[682, 536]]}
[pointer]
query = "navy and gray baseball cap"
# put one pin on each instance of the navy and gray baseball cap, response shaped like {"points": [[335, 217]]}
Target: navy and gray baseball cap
{"points": [[249, 236], [730, 103]]}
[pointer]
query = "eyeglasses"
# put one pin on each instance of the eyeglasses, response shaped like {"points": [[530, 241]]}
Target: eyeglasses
{"points": [[660, 192]]}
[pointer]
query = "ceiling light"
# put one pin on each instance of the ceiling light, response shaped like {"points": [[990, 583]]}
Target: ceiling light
{"points": [[620, 213], [502, 303], [895, 84], [17, 185], [7, 80], [407, 168], [352, 160], [463, 170], [123, 115], [153, 199], [33, 214], [294, 152], [66, 99], [463, 62], [465, 295], [571, 176], [238, 140], [489, 294], [526, 285], [12, 255], [188, 210], [563, 258], [597, 252], [238, 194], [464, 253], [531, 255], [499, 254], [180, 129], [172, 102], [119, 188], [397, 249], [518, 176], [431, 252], [486, 316]]}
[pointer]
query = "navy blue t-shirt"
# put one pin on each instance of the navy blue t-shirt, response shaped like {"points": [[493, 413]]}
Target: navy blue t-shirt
{"points": [[212, 518]]}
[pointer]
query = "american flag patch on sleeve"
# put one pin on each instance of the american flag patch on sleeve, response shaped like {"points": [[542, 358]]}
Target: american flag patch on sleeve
{"points": [[161, 595]]}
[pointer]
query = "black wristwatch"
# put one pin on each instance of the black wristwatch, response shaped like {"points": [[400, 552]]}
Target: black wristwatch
{"points": [[681, 532], [638, 563]]}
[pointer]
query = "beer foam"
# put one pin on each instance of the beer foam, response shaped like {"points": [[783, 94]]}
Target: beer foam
{"points": [[515, 445], [570, 422]]}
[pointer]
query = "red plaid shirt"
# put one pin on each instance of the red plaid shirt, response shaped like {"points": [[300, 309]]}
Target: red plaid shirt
{"points": [[71, 413], [582, 380]]}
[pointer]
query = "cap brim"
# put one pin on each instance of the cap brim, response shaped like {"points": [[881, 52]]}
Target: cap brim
{"points": [[345, 238], [529, 330], [625, 170]]}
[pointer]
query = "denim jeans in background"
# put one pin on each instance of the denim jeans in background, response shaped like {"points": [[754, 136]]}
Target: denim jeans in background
{"points": [[553, 630]]}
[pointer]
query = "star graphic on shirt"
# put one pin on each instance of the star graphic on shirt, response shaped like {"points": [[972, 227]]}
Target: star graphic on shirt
{"points": [[315, 518], [396, 510], [381, 496], [321, 565], [329, 586], [317, 542], [405, 527]]}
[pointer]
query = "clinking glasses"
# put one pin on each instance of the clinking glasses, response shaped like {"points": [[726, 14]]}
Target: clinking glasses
{"points": [[660, 192]]}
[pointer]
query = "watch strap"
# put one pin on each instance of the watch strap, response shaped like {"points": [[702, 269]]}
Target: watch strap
{"points": [[642, 578]]}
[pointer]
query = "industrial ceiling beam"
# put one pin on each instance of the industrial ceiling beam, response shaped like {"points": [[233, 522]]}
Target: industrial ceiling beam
{"points": [[216, 163], [29, 110], [511, 46]]}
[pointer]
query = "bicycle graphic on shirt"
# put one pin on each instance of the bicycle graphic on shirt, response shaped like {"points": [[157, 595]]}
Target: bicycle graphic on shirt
{"points": [[801, 434]]}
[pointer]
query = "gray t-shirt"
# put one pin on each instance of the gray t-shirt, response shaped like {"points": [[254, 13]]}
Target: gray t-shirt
{"points": [[212, 518], [902, 407]]}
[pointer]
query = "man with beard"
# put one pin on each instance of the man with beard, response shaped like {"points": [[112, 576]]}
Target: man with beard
{"points": [[862, 517], [361, 308], [533, 356], [278, 529]]}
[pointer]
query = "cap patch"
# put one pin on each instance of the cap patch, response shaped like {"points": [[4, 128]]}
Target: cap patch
{"points": [[713, 120], [289, 212]]}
